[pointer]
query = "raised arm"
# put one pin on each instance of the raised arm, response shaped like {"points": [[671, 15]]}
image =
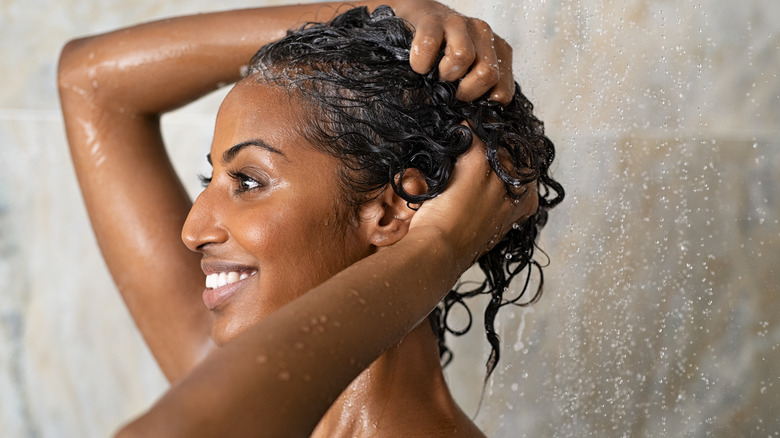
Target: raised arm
{"points": [[113, 89]]}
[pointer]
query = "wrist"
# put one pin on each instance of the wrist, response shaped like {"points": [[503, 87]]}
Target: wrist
{"points": [[442, 248]]}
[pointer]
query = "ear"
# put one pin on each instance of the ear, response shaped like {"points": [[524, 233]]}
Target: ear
{"points": [[386, 218]]}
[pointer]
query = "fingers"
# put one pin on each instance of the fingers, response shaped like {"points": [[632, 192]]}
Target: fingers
{"points": [[504, 89], [483, 72], [428, 39], [474, 211], [459, 51], [487, 204], [472, 53]]}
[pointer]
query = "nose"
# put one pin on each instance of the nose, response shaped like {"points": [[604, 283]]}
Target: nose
{"points": [[203, 225]]}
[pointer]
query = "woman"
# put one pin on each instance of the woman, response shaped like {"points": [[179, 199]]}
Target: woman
{"points": [[305, 252]]}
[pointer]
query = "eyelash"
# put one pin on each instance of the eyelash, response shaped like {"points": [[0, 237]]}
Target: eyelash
{"points": [[204, 180], [239, 178]]}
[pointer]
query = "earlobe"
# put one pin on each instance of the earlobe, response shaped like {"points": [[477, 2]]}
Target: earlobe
{"points": [[388, 215]]}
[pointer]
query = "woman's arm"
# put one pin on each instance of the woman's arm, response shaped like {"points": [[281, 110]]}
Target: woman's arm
{"points": [[280, 376], [113, 89]]}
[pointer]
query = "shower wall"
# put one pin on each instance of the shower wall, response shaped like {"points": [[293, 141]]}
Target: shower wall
{"points": [[659, 315]]}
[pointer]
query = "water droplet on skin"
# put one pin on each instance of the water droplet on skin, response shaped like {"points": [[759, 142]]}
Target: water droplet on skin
{"points": [[387, 283], [299, 345], [284, 376], [261, 359]]}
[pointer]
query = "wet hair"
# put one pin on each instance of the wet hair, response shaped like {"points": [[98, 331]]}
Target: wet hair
{"points": [[376, 115]]}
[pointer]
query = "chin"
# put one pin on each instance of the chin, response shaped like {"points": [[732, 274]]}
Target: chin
{"points": [[223, 330]]}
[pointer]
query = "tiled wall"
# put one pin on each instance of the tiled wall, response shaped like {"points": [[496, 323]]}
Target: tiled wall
{"points": [[659, 316]]}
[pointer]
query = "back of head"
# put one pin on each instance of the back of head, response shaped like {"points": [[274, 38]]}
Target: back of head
{"points": [[372, 111]]}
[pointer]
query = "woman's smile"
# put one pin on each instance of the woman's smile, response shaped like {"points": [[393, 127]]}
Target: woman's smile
{"points": [[221, 286]]}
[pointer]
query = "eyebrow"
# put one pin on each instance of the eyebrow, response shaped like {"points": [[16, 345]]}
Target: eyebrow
{"points": [[231, 153]]}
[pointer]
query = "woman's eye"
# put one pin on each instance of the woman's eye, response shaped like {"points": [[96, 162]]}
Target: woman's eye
{"points": [[244, 183], [248, 183]]}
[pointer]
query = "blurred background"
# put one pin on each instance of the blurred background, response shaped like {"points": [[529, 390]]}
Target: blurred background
{"points": [[660, 315]]}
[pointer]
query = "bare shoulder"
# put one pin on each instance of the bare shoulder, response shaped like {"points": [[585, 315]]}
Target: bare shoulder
{"points": [[434, 425]]}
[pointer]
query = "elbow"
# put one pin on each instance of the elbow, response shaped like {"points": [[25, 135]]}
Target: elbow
{"points": [[146, 427], [127, 432], [131, 430], [73, 69]]}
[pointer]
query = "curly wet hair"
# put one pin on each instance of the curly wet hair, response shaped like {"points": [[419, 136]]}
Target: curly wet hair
{"points": [[380, 118]]}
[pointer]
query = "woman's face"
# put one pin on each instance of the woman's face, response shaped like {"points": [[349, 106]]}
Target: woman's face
{"points": [[270, 224]]}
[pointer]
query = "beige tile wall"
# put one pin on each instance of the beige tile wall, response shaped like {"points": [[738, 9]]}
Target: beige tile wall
{"points": [[659, 316]]}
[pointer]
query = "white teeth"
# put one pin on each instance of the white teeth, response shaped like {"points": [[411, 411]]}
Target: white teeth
{"points": [[214, 281]]}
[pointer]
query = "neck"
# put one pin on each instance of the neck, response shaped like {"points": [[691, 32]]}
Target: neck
{"points": [[407, 379]]}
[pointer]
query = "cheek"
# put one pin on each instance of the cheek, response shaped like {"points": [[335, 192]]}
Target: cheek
{"points": [[301, 244], [331, 243]]}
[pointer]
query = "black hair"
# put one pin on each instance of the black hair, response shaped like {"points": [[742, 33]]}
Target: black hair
{"points": [[380, 118]]}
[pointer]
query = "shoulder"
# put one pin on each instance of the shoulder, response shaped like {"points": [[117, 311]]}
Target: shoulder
{"points": [[455, 425]]}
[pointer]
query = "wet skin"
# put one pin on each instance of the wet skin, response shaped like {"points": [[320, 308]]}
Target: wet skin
{"points": [[271, 210]]}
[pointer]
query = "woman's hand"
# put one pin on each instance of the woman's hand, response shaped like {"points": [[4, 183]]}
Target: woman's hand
{"points": [[472, 52], [474, 212]]}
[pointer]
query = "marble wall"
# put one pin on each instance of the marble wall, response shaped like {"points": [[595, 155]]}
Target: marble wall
{"points": [[659, 315]]}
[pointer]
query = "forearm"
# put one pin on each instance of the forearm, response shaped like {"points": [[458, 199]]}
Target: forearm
{"points": [[289, 368], [158, 66]]}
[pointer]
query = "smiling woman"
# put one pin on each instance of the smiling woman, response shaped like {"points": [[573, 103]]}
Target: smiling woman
{"points": [[324, 236], [271, 205]]}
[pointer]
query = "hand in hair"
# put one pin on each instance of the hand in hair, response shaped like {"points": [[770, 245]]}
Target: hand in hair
{"points": [[472, 52], [476, 193]]}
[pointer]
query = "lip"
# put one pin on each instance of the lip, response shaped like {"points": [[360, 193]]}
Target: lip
{"points": [[213, 298]]}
